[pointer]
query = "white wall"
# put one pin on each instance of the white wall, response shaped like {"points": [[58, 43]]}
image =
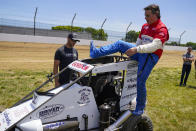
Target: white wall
{"points": [[44, 39], [60, 40]]}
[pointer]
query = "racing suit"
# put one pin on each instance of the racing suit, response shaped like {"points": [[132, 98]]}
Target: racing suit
{"points": [[149, 49]]}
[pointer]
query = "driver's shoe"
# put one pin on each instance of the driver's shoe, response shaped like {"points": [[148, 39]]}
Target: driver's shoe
{"points": [[93, 50], [138, 112]]}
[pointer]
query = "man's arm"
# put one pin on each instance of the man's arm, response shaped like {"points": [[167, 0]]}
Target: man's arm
{"points": [[55, 71], [188, 59], [184, 58], [151, 47], [147, 48], [191, 59]]}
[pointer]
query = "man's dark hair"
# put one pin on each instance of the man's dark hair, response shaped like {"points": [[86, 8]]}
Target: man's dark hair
{"points": [[155, 9]]}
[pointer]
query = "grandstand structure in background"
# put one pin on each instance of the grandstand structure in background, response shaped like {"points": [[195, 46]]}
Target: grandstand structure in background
{"points": [[23, 27]]}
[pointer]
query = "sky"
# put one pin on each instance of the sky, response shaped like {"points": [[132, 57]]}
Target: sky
{"points": [[177, 15]]}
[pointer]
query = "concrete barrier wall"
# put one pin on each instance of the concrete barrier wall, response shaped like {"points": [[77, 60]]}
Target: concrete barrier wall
{"points": [[61, 40], [45, 39], [41, 32], [177, 48]]}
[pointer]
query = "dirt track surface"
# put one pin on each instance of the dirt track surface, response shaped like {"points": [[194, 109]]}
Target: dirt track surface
{"points": [[31, 55], [36, 56]]}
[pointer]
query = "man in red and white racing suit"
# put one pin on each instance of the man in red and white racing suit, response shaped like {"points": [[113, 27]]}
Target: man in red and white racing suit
{"points": [[147, 51]]}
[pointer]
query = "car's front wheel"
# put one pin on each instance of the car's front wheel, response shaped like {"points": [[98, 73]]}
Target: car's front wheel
{"points": [[137, 123]]}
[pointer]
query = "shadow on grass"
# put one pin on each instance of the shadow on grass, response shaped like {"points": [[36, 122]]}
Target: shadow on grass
{"points": [[179, 85], [190, 86], [194, 87]]}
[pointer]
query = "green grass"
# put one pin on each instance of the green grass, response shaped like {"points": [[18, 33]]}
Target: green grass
{"points": [[171, 107], [15, 84]]}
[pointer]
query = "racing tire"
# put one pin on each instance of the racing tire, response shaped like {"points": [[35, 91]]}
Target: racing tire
{"points": [[137, 123]]}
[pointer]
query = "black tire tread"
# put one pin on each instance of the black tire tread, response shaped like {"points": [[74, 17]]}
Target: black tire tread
{"points": [[143, 121]]}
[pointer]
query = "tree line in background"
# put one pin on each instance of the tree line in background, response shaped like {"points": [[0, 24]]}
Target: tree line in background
{"points": [[193, 45], [132, 36], [97, 34]]}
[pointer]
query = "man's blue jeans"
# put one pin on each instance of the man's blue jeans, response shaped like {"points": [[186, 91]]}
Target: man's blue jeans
{"points": [[185, 70], [146, 62]]}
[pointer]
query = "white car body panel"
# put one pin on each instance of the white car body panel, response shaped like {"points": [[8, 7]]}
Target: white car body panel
{"points": [[129, 91], [73, 102]]}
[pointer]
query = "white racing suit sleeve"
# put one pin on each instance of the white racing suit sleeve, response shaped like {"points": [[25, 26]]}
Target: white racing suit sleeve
{"points": [[138, 42], [151, 47]]}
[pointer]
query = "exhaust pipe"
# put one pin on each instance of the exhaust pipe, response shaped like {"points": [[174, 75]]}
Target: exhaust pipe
{"points": [[61, 126], [36, 125], [120, 121]]}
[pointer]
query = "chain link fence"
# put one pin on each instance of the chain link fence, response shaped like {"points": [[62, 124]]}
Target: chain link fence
{"points": [[26, 28], [45, 29]]}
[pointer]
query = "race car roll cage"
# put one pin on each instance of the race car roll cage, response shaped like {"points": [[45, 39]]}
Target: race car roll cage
{"points": [[94, 61]]}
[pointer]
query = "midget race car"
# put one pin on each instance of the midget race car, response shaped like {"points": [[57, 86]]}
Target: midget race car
{"points": [[101, 98]]}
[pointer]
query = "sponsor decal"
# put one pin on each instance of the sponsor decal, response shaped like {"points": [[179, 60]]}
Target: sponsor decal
{"points": [[70, 55], [32, 106], [54, 125], [127, 106], [161, 34], [50, 111], [7, 119], [131, 86], [144, 39], [146, 27], [131, 80], [80, 65], [131, 72], [131, 65], [129, 95], [84, 96]]}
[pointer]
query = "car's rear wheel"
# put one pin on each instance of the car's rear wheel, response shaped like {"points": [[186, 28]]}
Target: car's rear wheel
{"points": [[138, 123]]}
